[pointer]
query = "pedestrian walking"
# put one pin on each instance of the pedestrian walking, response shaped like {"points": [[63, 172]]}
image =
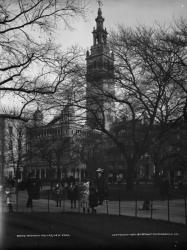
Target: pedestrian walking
{"points": [[33, 189], [164, 187], [84, 196], [9, 200], [93, 198], [73, 194], [58, 194], [101, 185]]}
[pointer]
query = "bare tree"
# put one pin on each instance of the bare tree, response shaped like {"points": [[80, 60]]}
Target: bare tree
{"points": [[146, 96], [146, 72], [149, 91], [31, 64]]}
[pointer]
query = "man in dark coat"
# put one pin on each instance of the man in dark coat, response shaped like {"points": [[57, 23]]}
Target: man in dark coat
{"points": [[164, 187], [58, 194], [33, 189], [101, 187], [73, 194], [93, 198]]}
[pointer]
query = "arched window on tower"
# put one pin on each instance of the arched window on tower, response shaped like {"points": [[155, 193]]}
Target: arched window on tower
{"points": [[97, 39], [104, 39]]}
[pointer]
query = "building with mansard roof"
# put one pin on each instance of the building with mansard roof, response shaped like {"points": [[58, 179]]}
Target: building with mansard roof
{"points": [[51, 148]]}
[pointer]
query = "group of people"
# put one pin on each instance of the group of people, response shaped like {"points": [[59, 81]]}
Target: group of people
{"points": [[90, 194], [89, 197], [9, 192], [63, 191], [11, 187]]}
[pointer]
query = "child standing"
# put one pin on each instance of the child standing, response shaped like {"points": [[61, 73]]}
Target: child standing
{"points": [[9, 200]]}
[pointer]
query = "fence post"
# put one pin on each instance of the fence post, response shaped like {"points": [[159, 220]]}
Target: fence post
{"points": [[48, 201], [151, 209], [136, 207], [107, 206], [168, 203], [16, 199], [79, 205], [185, 209], [32, 205], [119, 204], [63, 204]]}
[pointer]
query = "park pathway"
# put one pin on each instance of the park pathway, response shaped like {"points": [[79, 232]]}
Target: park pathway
{"points": [[159, 210]]}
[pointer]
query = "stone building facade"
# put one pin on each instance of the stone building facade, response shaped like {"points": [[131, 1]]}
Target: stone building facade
{"points": [[12, 147], [51, 148]]}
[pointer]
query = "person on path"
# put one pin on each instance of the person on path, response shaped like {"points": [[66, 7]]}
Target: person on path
{"points": [[85, 196], [164, 187], [93, 198], [73, 194], [9, 199], [102, 188], [58, 195], [33, 189]]}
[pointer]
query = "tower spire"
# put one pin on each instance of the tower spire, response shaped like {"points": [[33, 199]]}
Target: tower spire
{"points": [[99, 34], [100, 72]]}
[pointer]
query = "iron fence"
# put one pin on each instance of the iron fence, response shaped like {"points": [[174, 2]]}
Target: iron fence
{"points": [[169, 209]]}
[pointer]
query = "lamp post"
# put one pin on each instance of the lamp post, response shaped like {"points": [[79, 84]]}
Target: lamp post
{"points": [[146, 203]]}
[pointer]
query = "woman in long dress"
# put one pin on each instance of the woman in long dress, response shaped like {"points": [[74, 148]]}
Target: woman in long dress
{"points": [[85, 196]]}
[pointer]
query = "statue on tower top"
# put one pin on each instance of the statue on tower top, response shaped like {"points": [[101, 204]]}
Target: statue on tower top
{"points": [[100, 3]]}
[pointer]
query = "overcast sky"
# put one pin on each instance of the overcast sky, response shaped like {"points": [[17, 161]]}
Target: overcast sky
{"points": [[128, 12]]}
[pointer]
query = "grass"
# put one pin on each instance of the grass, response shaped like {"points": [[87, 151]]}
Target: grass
{"points": [[140, 192]]}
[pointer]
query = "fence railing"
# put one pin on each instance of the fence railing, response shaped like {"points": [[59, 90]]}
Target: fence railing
{"points": [[169, 209]]}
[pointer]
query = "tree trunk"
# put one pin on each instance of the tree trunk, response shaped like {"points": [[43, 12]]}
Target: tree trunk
{"points": [[58, 166], [156, 176], [130, 175]]}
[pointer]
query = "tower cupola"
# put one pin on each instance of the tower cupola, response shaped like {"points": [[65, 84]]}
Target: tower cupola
{"points": [[99, 34], [99, 20]]}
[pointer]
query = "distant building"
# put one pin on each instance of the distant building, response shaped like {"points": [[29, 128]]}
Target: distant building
{"points": [[12, 147], [51, 148], [55, 148]]}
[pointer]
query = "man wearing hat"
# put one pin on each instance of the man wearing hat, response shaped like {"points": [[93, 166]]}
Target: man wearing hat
{"points": [[101, 187]]}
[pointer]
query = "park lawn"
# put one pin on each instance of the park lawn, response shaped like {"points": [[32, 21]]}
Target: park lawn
{"points": [[140, 192], [71, 230]]}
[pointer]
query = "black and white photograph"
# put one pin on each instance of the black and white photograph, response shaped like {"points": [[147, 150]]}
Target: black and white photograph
{"points": [[93, 124]]}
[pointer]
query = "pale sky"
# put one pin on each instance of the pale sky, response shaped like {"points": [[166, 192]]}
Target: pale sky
{"points": [[127, 12], [130, 13]]}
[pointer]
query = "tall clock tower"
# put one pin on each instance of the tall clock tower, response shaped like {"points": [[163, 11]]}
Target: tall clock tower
{"points": [[100, 84]]}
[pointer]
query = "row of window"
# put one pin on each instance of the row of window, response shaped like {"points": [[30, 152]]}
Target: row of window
{"points": [[99, 64], [56, 132]]}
